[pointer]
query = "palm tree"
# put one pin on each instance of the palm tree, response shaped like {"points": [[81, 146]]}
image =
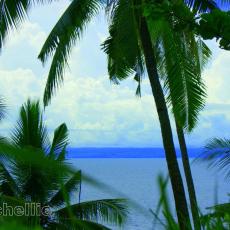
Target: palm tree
{"points": [[182, 58], [34, 171], [183, 72], [64, 35], [180, 61], [131, 44]]}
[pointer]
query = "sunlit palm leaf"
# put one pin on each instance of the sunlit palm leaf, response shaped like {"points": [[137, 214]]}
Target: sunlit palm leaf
{"points": [[181, 60], [62, 38]]}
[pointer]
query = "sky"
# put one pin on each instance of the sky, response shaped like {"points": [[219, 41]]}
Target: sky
{"points": [[98, 113]]}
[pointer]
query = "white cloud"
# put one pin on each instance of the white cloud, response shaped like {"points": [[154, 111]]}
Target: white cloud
{"points": [[102, 113], [29, 33]]}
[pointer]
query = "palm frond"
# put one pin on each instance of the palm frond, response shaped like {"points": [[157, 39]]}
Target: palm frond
{"points": [[112, 211], [62, 38], [60, 141], [71, 186], [36, 175], [204, 53], [35, 157], [13, 14], [217, 154], [124, 58], [30, 129], [181, 64]]}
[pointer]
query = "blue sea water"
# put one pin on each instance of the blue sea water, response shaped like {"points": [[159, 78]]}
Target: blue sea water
{"points": [[132, 173], [125, 152]]}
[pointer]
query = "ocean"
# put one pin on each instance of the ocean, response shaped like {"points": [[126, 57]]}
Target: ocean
{"points": [[132, 173]]}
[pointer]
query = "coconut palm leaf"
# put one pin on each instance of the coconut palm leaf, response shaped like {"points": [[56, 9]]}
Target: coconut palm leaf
{"points": [[30, 129], [13, 14], [217, 154], [124, 58], [63, 37], [32, 156], [183, 84], [60, 140], [72, 185], [48, 180], [108, 210], [181, 57]]}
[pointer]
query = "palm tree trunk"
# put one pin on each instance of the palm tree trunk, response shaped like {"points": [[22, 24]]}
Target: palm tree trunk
{"points": [[188, 176], [166, 131]]}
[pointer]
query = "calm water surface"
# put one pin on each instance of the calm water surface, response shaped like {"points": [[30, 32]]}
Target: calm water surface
{"points": [[137, 179]]}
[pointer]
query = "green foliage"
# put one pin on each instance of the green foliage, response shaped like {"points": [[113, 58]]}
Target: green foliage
{"points": [[181, 59], [217, 218], [30, 130], [31, 172], [180, 56], [216, 24], [122, 47]]}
